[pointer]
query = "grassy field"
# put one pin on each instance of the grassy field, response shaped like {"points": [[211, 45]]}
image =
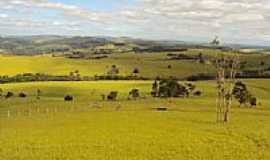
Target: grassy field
{"points": [[13, 65], [89, 128], [150, 65]]}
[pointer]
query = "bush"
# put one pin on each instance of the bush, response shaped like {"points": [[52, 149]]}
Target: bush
{"points": [[1, 92], [197, 93], [112, 96], [162, 109], [134, 93], [154, 91], [136, 71], [201, 76], [113, 71], [190, 86], [103, 97], [171, 88], [22, 95], [253, 101], [9, 95], [68, 98], [242, 94]]}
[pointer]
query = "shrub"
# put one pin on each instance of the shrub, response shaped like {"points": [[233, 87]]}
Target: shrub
{"points": [[112, 96], [38, 93], [154, 91], [171, 88], [1, 92], [134, 93], [162, 109], [190, 86], [22, 95], [136, 71], [242, 94], [197, 93], [253, 101], [113, 71], [201, 76], [103, 97], [9, 95], [68, 98]]}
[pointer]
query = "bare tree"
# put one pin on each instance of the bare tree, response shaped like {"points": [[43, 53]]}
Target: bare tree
{"points": [[215, 42], [227, 67]]}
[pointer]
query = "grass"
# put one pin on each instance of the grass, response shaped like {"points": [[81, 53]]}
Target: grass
{"points": [[150, 65], [126, 63], [89, 128]]}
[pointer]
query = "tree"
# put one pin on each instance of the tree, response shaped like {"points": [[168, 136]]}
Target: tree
{"points": [[227, 67], [68, 98], [38, 93], [103, 97], [9, 94], [262, 63], [253, 101], [191, 87], [134, 93], [77, 71], [215, 42], [154, 91], [136, 71], [197, 93], [200, 58], [77, 74], [112, 96], [171, 88], [242, 95], [113, 71], [71, 74], [1, 92], [22, 95]]}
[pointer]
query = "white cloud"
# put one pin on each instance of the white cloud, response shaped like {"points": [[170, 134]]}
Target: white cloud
{"points": [[158, 18], [56, 23], [3, 15]]}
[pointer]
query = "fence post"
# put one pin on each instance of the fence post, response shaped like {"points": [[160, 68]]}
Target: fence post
{"points": [[8, 113]]}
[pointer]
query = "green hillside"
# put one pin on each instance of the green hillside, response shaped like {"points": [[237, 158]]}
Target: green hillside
{"points": [[150, 65], [89, 128]]}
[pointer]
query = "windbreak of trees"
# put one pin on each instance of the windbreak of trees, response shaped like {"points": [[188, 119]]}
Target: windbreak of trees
{"points": [[246, 74], [30, 77], [73, 76]]}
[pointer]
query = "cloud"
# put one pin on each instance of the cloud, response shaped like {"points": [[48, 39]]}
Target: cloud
{"points": [[2, 15], [163, 19]]}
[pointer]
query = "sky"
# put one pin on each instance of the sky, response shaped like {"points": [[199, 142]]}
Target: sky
{"points": [[234, 21]]}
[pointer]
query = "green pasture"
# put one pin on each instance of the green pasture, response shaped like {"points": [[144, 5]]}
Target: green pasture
{"points": [[89, 128], [150, 65]]}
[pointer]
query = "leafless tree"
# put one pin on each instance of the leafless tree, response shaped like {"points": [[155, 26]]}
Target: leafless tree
{"points": [[215, 42], [227, 67]]}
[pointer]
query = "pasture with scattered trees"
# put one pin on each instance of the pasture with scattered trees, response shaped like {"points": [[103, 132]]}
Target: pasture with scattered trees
{"points": [[150, 103]]}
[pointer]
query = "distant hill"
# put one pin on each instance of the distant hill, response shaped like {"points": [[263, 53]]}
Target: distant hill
{"points": [[46, 44], [31, 45]]}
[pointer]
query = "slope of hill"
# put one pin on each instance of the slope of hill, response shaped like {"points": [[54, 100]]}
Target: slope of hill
{"points": [[89, 128]]}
